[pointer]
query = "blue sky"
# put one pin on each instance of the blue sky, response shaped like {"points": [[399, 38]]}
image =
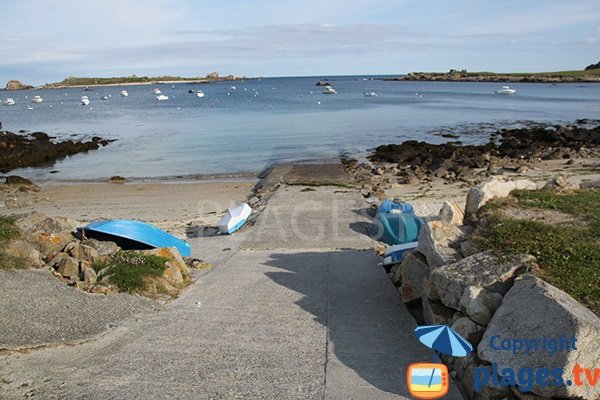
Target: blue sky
{"points": [[45, 41]]}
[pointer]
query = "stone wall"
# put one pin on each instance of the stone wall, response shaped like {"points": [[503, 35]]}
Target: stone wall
{"points": [[488, 299]]}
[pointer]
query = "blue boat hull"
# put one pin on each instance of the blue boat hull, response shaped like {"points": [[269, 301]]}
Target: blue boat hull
{"points": [[136, 235]]}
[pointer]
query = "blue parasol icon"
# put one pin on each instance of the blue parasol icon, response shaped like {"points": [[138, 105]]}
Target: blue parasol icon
{"points": [[443, 340]]}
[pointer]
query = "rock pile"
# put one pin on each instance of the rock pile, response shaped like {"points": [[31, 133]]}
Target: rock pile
{"points": [[417, 161], [18, 151], [485, 298], [51, 243]]}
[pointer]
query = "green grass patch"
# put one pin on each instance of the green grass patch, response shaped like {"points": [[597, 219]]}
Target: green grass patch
{"points": [[568, 254], [128, 269], [8, 231]]}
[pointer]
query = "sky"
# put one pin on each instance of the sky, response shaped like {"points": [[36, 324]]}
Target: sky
{"points": [[45, 41]]}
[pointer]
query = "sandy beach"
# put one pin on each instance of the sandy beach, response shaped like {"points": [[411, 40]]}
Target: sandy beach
{"points": [[170, 206]]}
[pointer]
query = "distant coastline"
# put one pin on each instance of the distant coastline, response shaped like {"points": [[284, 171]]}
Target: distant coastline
{"points": [[588, 75], [133, 80]]}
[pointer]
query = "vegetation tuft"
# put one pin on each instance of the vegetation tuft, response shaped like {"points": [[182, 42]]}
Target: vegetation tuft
{"points": [[8, 231], [128, 269], [568, 254]]}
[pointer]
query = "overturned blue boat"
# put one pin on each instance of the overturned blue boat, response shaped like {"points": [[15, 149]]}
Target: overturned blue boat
{"points": [[135, 235]]}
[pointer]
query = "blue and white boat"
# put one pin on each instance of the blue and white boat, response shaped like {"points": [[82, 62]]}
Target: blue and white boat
{"points": [[235, 218], [395, 254], [135, 235]]}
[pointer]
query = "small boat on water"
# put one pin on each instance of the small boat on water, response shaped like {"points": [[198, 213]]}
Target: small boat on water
{"points": [[104, 98], [329, 90], [162, 97], [29, 107], [84, 100], [200, 93], [370, 94], [506, 90], [156, 91], [124, 93], [134, 235], [235, 218], [232, 88], [37, 99], [9, 102]]}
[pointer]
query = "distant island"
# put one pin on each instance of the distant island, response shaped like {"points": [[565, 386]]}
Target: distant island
{"points": [[590, 74], [73, 81]]}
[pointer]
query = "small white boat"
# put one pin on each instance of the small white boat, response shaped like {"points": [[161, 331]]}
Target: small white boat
{"points": [[29, 107], [370, 94], [156, 91], [37, 99], [235, 218], [329, 90], [104, 98], [200, 93], [395, 254], [124, 93], [84, 100], [9, 102], [162, 97], [506, 90]]}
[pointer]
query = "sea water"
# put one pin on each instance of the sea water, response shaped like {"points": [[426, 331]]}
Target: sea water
{"points": [[274, 120]]}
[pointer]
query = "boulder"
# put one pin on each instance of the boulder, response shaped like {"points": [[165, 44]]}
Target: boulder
{"points": [[89, 277], [534, 309], [15, 180], [172, 274], [435, 240], [452, 213], [68, 267], [495, 187], [479, 304], [46, 234], [414, 270], [468, 248], [81, 251], [104, 248], [20, 248], [469, 330], [435, 313], [396, 274], [483, 270]]}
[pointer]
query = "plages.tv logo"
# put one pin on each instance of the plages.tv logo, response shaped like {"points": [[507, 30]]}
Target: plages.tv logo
{"points": [[431, 380]]}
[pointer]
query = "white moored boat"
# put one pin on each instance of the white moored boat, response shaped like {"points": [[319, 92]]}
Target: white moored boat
{"points": [[124, 93], [329, 90], [9, 102], [162, 97], [235, 218], [156, 91], [37, 99], [370, 94], [200, 93], [84, 100], [506, 90]]}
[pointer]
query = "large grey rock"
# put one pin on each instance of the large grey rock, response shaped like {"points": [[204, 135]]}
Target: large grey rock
{"points": [[452, 213], [414, 271], [104, 248], [469, 330], [535, 309], [495, 187], [46, 234], [435, 241], [435, 313], [482, 270], [20, 248], [479, 304], [89, 277]]}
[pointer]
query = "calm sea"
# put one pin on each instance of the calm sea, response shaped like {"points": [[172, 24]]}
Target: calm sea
{"points": [[274, 119]]}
